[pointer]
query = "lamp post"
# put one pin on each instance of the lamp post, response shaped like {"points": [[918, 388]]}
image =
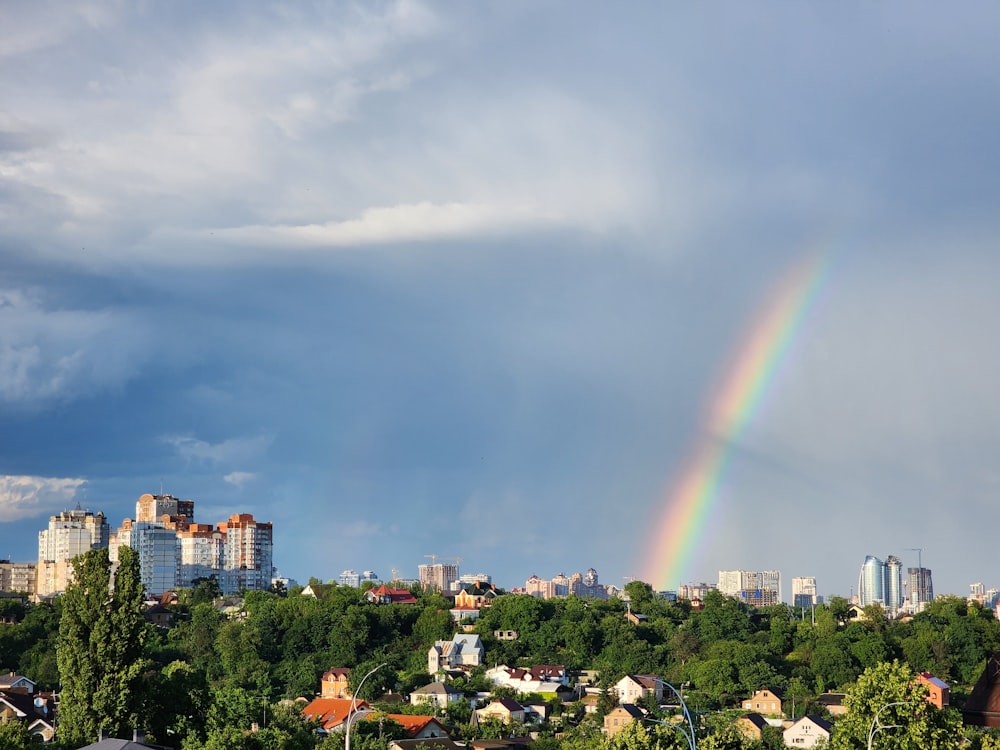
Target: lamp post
{"points": [[877, 726], [689, 731], [263, 700], [354, 702]]}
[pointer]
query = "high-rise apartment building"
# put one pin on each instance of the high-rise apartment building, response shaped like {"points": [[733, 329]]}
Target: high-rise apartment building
{"points": [[894, 596], [200, 550], [69, 534], [174, 551], [349, 578], [881, 583], [153, 508], [921, 588], [804, 591], [438, 576], [248, 559], [751, 585], [18, 577]]}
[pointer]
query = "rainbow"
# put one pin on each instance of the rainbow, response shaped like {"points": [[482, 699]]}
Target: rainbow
{"points": [[748, 381]]}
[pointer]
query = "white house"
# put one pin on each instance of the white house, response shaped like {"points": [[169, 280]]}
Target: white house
{"points": [[463, 650], [807, 732], [632, 687]]}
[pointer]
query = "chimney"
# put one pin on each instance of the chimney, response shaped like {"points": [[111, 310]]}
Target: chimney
{"points": [[102, 734], [139, 736]]}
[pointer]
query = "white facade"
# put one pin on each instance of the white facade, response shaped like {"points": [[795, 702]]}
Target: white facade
{"points": [[71, 533], [734, 582], [349, 578], [248, 556], [804, 591], [200, 549]]}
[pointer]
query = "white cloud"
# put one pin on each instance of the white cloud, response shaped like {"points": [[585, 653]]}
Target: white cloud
{"points": [[240, 478], [234, 450], [420, 221], [27, 496]]}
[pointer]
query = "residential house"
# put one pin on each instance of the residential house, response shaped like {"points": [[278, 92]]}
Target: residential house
{"points": [[550, 673], [418, 727], [439, 694], [766, 702], [544, 679], [385, 595], [751, 726], [506, 710], [14, 681], [621, 716], [334, 684], [632, 687], [159, 616], [474, 599], [138, 742], [938, 692], [318, 590], [463, 651], [808, 732], [36, 712], [331, 713], [505, 635], [436, 743], [834, 703]]}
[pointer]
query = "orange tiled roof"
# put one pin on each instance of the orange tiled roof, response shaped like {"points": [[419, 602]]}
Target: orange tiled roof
{"points": [[331, 712], [412, 723]]}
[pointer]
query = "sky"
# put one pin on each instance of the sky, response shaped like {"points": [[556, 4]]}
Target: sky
{"points": [[467, 280]]}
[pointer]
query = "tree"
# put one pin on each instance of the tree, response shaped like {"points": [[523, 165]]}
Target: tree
{"points": [[888, 700], [102, 635]]}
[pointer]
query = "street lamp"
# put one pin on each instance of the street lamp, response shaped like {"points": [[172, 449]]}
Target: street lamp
{"points": [[354, 702], [876, 725], [263, 700], [689, 731]]}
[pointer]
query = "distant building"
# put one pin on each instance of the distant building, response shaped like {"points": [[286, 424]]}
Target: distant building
{"points": [[349, 578], [585, 585], [248, 553], [881, 583], [18, 577], [69, 534], [921, 588], [174, 551], [763, 586], [804, 591], [438, 576]]}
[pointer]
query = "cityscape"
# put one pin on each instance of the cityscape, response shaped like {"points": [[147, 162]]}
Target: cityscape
{"points": [[175, 551]]}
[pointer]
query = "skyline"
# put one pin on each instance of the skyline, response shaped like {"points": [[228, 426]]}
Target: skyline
{"points": [[401, 574], [407, 279]]}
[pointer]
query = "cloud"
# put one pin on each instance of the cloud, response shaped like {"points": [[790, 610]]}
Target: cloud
{"points": [[411, 222], [240, 478], [234, 450], [27, 496], [51, 354]]}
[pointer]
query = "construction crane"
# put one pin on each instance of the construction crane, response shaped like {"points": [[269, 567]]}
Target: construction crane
{"points": [[433, 558]]}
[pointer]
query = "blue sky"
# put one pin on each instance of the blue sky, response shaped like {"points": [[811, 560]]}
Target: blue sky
{"points": [[411, 279]]}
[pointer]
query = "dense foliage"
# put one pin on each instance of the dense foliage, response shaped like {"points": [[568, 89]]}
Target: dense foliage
{"points": [[205, 681]]}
